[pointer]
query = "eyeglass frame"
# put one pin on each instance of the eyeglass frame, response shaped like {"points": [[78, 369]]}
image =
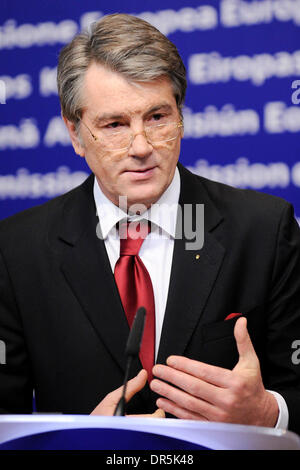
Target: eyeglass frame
{"points": [[133, 136]]}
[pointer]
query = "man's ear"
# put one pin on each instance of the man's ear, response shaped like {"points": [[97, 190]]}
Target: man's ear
{"points": [[77, 145], [182, 127]]}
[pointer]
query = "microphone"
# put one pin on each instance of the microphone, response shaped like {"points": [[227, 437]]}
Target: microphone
{"points": [[132, 350]]}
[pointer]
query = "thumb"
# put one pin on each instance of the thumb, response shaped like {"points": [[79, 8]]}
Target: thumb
{"points": [[107, 406], [244, 344], [136, 384]]}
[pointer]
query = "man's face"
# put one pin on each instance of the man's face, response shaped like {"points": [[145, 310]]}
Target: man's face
{"points": [[144, 171]]}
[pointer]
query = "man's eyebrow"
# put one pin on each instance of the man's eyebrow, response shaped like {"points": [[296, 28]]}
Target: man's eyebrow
{"points": [[160, 107], [115, 117], [107, 117]]}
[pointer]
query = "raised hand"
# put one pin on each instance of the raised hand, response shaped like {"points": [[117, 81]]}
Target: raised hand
{"points": [[210, 393]]}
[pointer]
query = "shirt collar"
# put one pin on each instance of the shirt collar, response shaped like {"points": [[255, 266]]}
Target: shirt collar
{"points": [[163, 213]]}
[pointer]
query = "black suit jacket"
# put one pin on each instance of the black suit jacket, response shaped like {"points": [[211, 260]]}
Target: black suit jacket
{"points": [[62, 320]]}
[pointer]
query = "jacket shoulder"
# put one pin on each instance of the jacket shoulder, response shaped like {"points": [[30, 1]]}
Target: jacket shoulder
{"points": [[33, 220], [243, 210], [244, 202]]}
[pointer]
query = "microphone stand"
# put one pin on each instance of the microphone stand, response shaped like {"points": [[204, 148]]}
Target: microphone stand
{"points": [[121, 406], [132, 350]]}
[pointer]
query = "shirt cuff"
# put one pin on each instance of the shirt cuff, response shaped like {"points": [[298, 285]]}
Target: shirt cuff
{"points": [[283, 417]]}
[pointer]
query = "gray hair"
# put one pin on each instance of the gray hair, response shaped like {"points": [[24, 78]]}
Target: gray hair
{"points": [[124, 44]]}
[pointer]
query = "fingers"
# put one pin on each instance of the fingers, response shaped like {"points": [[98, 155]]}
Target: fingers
{"points": [[186, 382], [176, 410], [159, 413], [207, 373], [179, 398]]}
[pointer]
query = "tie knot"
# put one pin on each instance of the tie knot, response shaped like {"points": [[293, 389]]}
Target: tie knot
{"points": [[132, 235]]}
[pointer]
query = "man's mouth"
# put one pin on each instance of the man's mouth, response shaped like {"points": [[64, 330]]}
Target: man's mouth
{"points": [[141, 173], [140, 170]]}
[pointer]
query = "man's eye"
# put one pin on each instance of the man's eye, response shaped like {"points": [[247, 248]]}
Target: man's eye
{"points": [[157, 117], [114, 125]]}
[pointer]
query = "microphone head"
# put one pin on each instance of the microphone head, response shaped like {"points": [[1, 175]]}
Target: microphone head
{"points": [[136, 333]]}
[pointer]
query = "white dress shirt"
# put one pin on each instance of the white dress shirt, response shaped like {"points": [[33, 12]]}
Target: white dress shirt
{"points": [[158, 245], [156, 253]]}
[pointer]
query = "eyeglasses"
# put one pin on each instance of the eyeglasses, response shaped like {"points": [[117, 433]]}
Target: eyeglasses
{"points": [[122, 139]]}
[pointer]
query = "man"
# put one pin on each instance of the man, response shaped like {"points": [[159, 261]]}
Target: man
{"points": [[63, 307]]}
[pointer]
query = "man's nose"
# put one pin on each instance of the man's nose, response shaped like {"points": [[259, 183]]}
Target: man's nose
{"points": [[140, 147]]}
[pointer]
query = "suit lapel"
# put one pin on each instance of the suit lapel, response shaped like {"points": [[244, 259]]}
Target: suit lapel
{"points": [[193, 273], [86, 267]]}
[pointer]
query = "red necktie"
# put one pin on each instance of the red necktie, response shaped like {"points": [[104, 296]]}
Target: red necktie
{"points": [[135, 286]]}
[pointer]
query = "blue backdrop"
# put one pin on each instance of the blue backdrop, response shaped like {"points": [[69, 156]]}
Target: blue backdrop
{"points": [[242, 114]]}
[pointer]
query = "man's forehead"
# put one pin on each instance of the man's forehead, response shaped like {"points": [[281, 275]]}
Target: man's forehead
{"points": [[117, 95]]}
